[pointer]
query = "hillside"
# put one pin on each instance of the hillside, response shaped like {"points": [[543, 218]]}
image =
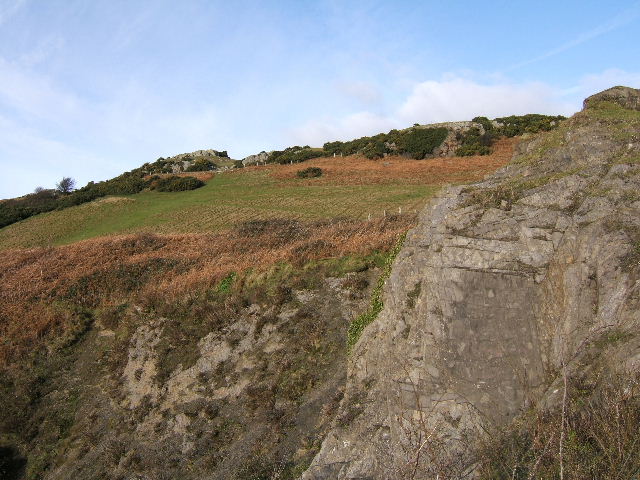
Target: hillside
{"points": [[351, 187], [208, 325], [449, 317]]}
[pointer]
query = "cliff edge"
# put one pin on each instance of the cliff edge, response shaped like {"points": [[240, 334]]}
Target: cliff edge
{"points": [[506, 290]]}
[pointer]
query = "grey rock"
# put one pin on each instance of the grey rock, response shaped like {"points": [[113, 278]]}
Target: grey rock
{"points": [[624, 96], [258, 158], [505, 295]]}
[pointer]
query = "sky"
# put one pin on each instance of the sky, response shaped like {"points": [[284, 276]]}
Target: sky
{"points": [[90, 89]]}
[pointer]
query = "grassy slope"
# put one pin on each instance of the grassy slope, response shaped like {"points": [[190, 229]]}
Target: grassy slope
{"points": [[226, 200], [352, 187]]}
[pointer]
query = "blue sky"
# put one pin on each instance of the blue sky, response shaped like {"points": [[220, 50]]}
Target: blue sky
{"points": [[90, 89]]}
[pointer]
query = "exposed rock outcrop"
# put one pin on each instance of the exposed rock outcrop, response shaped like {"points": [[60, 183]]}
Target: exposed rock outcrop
{"points": [[624, 96], [501, 285], [257, 159], [452, 142]]}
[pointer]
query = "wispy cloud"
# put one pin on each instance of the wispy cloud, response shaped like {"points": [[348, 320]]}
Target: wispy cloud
{"points": [[8, 8], [620, 20]]}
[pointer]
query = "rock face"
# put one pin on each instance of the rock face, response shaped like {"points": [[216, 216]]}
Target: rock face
{"points": [[256, 159], [501, 285], [250, 400], [623, 96], [452, 142]]}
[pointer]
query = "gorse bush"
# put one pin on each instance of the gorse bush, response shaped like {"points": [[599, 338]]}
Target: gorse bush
{"points": [[414, 142], [176, 184], [531, 123], [295, 154], [310, 172], [473, 142], [202, 165], [421, 142]]}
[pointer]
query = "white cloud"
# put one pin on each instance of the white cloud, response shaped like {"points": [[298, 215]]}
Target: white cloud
{"points": [[462, 99], [450, 99], [597, 82]]}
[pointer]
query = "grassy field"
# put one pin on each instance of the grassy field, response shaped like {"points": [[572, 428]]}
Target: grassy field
{"points": [[353, 188]]}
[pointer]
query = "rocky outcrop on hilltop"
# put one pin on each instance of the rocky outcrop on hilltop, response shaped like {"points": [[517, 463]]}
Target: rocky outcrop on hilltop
{"points": [[505, 288], [628, 98], [257, 159], [209, 153], [453, 141]]}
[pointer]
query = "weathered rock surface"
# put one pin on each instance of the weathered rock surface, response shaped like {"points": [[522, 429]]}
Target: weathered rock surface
{"points": [[502, 284], [623, 96], [452, 142], [256, 159]]}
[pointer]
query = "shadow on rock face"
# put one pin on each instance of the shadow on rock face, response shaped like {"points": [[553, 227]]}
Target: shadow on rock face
{"points": [[11, 464]]}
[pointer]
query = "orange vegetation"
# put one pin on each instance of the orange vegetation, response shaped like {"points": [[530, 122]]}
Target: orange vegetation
{"points": [[357, 169], [42, 287]]}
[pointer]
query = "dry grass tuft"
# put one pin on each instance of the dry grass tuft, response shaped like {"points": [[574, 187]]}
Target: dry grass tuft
{"points": [[40, 284], [358, 170]]}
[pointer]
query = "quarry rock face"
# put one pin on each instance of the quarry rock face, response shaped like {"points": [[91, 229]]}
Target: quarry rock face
{"points": [[501, 286]]}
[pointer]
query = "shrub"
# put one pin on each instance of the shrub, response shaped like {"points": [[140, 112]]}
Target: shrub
{"points": [[202, 165], [420, 142], [310, 172], [475, 143], [531, 123], [176, 184], [598, 432], [295, 154], [485, 122], [416, 142]]}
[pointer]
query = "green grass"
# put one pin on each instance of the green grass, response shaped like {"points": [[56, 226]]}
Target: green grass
{"points": [[226, 200], [358, 325]]}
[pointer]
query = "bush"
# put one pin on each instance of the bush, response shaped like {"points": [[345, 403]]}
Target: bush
{"points": [[598, 431], [471, 150], [310, 172], [475, 143], [202, 165], [420, 142], [531, 123], [295, 154], [485, 122], [415, 142], [176, 184]]}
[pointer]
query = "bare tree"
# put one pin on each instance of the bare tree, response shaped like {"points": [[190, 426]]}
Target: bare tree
{"points": [[66, 185]]}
